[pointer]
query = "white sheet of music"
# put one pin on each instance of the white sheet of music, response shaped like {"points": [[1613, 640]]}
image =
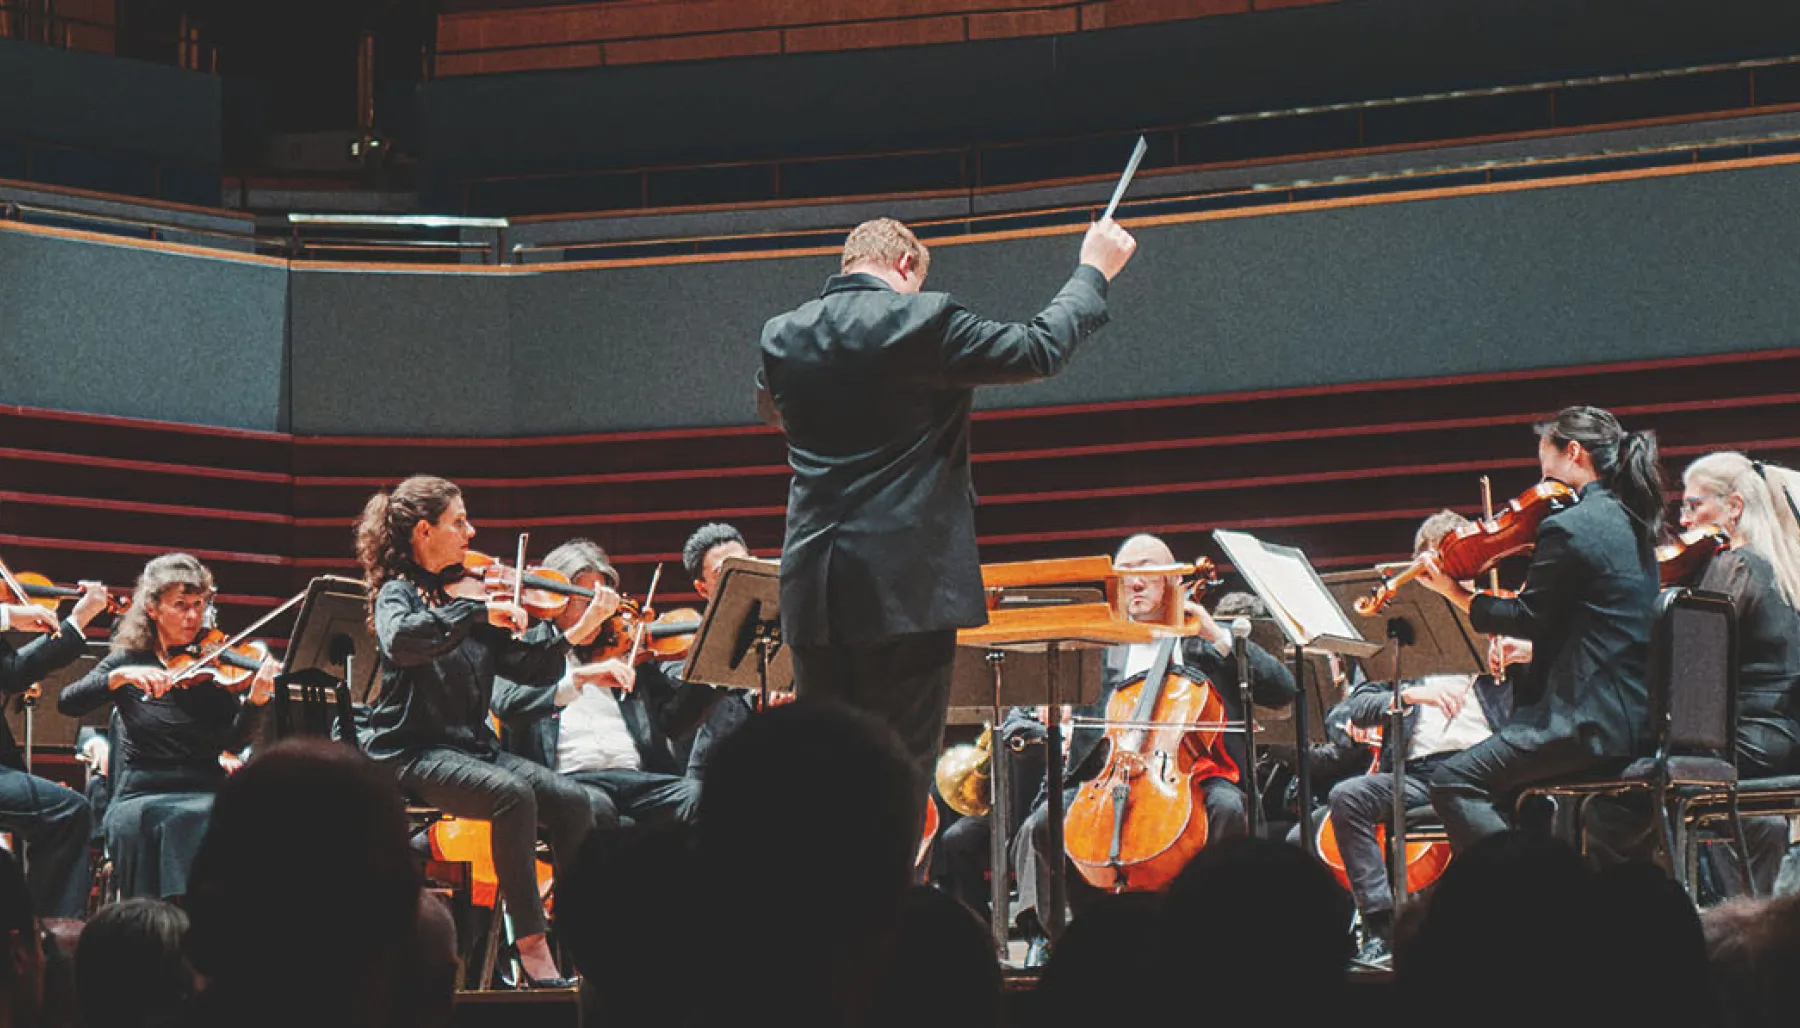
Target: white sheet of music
{"points": [[1296, 597]]}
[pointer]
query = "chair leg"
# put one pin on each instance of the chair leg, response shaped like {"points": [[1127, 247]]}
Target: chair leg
{"points": [[1580, 818], [1742, 845], [1679, 840], [1666, 832], [490, 948]]}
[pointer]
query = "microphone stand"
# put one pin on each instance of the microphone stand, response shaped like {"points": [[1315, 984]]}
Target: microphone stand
{"points": [[1240, 648]]}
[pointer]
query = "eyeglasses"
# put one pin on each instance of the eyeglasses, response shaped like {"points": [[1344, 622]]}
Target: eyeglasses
{"points": [[1694, 503]]}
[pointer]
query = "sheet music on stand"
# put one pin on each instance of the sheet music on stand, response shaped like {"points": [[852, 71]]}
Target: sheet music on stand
{"points": [[1442, 641], [1310, 618], [1297, 598]]}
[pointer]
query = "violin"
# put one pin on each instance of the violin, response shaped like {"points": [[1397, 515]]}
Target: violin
{"points": [[545, 592], [1679, 559], [227, 663], [1476, 547], [1138, 823], [671, 635], [30, 587], [665, 637]]}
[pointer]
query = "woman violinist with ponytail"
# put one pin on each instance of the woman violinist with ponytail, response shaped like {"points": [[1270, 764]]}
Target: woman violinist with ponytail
{"points": [[1760, 572], [442, 639], [1582, 706]]}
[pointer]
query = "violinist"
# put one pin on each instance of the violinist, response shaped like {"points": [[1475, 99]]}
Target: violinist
{"points": [[1446, 714], [704, 554], [171, 729], [1761, 573], [55, 823], [1210, 653], [601, 724], [443, 636], [1582, 707]]}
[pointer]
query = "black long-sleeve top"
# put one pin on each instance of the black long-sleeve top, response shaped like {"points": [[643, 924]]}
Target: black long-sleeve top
{"points": [[185, 729], [438, 661], [1587, 609]]}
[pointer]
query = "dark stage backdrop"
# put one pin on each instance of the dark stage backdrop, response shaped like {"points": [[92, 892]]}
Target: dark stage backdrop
{"points": [[1540, 277]]}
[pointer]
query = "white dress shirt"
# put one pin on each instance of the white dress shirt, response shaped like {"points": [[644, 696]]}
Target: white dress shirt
{"points": [[593, 735]]}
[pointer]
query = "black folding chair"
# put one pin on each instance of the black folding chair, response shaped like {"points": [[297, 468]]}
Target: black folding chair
{"points": [[1693, 721]]}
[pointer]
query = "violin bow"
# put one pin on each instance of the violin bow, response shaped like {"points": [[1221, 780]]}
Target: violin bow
{"points": [[519, 576], [637, 638], [219, 651], [12, 583], [1487, 512]]}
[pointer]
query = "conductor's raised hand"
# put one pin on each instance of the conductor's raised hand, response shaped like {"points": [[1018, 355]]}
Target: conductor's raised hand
{"points": [[1107, 247]]}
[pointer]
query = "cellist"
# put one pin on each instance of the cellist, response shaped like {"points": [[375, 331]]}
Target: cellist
{"points": [[1210, 652], [1583, 705]]}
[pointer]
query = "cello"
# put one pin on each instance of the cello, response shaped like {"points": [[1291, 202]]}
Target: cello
{"points": [[1137, 824], [1425, 861]]}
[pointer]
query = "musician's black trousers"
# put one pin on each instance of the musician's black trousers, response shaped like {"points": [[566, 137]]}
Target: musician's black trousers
{"points": [[1474, 791], [903, 681], [1357, 806], [516, 796], [56, 825], [1226, 817]]}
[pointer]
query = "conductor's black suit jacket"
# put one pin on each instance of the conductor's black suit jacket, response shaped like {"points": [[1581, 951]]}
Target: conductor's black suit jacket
{"points": [[874, 388]]}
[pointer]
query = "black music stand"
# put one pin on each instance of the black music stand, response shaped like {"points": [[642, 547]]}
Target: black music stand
{"points": [[1310, 619], [56, 730], [332, 631], [331, 660], [1424, 634], [743, 620], [999, 677], [1275, 725]]}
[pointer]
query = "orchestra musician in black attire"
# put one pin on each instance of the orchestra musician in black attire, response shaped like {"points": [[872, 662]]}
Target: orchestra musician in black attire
{"points": [[1760, 572], [54, 822], [172, 733], [443, 637], [1582, 706], [602, 723], [872, 383]]}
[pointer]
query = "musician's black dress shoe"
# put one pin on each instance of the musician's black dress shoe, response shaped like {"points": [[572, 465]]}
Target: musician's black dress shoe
{"points": [[528, 982]]}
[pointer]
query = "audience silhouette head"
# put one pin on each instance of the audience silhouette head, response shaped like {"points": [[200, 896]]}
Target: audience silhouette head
{"points": [[305, 892]]}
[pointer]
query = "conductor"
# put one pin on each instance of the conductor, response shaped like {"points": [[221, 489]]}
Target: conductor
{"points": [[872, 383]]}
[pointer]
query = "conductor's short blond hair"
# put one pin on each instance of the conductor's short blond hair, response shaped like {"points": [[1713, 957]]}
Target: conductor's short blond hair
{"points": [[882, 241]]}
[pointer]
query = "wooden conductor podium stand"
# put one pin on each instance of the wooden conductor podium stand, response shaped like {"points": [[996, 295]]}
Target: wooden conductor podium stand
{"points": [[1048, 614]]}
